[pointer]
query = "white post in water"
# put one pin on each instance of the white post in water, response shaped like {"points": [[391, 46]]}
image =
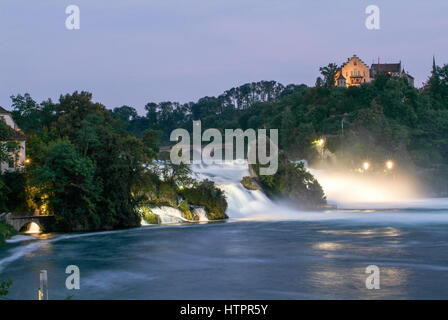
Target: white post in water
{"points": [[43, 289]]}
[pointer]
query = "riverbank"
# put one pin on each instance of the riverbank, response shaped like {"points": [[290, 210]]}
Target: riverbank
{"points": [[6, 232]]}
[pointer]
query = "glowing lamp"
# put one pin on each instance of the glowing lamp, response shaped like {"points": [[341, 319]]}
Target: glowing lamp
{"points": [[389, 165], [366, 165], [319, 142]]}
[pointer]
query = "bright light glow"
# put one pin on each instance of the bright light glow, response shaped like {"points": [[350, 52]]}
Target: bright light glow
{"points": [[320, 142], [366, 165], [33, 228], [27, 161], [352, 188], [389, 165]]}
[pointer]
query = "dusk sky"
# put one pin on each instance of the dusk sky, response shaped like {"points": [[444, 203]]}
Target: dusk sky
{"points": [[135, 51]]}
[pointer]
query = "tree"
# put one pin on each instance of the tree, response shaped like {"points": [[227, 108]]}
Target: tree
{"points": [[293, 182], [31, 116], [206, 194], [68, 188], [85, 165], [151, 139], [12, 191], [124, 113], [438, 86], [8, 147], [329, 73], [177, 174]]}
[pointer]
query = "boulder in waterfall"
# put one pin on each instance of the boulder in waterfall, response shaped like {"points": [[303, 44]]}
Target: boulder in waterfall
{"points": [[250, 184]]}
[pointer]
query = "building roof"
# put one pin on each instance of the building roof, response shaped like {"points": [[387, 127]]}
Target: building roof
{"points": [[354, 56], [4, 111], [341, 76], [386, 67], [407, 74]]}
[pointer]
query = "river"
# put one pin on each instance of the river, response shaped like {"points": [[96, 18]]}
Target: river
{"points": [[265, 250]]}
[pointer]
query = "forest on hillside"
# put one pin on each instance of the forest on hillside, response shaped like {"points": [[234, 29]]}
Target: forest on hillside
{"points": [[385, 119]]}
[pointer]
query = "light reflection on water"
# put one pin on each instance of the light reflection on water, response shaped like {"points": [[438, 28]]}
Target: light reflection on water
{"points": [[392, 281], [383, 232], [328, 246]]}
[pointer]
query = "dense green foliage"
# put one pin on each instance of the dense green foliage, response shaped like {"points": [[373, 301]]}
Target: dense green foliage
{"points": [[206, 194], [8, 147], [168, 183], [6, 232], [12, 192], [164, 117], [84, 164], [68, 181], [87, 169], [293, 183], [385, 119], [11, 185], [4, 287]]}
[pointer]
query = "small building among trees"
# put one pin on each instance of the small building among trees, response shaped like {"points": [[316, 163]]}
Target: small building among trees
{"points": [[354, 71], [13, 144], [391, 69]]}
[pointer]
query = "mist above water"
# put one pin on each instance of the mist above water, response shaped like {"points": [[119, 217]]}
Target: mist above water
{"points": [[357, 190], [374, 199]]}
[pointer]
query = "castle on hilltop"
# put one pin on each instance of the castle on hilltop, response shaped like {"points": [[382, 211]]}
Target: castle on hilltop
{"points": [[355, 72]]}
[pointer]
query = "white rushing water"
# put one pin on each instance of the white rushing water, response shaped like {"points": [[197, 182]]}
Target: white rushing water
{"points": [[169, 215], [242, 203], [200, 212], [245, 204], [357, 200]]}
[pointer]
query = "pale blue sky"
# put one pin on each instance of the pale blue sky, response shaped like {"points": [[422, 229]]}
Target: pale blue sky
{"points": [[135, 51]]}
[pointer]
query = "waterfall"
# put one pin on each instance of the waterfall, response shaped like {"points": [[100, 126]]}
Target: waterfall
{"points": [[342, 189], [200, 212], [169, 215], [242, 203]]}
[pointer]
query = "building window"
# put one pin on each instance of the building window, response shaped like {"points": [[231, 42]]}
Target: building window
{"points": [[356, 73]]}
